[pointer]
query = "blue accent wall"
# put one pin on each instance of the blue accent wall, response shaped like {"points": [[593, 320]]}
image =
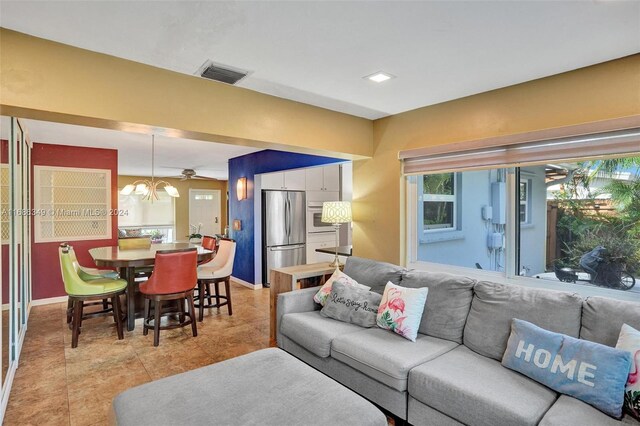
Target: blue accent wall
{"points": [[248, 166]]}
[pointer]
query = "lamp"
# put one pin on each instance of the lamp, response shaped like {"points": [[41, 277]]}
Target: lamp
{"points": [[241, 188], [336, 213], [149, 188]]}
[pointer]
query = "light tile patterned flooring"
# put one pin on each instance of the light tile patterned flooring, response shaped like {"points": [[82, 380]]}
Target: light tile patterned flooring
{"points": [[57, 385]]}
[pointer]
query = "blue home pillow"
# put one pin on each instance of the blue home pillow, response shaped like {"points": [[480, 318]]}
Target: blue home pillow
{"points": [[591, 372]]}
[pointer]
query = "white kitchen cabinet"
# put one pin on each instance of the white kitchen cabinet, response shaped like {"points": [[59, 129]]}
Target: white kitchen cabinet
{"points": [[272, 180], [332, 178], [325, 178], [312, 255], [292, 180], [314, 178]]}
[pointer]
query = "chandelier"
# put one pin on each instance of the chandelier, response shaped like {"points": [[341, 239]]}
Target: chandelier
{"points": [[149, 188]]}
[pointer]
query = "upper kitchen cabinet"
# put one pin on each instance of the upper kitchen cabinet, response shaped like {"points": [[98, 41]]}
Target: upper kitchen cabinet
{"points": [[323, 178], [292, 180]]}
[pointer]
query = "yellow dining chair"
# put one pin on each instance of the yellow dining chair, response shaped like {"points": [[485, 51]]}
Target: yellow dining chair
{"points": [[137, 243], [133, 243]]}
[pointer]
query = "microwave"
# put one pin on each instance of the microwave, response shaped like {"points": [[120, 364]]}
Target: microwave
{"points": [[314, 219]]}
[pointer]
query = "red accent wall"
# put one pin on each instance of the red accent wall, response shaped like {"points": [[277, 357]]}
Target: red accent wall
{"points": [[47, 280]]}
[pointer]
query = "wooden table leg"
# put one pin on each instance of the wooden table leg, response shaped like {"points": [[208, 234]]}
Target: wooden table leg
{"points": [[130, 276]]}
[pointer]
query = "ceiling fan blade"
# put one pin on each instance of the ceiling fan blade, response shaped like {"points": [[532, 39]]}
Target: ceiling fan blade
{"points": [[203, 177]]}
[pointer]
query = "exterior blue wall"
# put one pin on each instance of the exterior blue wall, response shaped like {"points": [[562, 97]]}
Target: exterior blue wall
{"points": [[248, 166]]}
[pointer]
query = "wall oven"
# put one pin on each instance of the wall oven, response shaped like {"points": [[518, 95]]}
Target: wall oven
{"points": [[314, 219]]}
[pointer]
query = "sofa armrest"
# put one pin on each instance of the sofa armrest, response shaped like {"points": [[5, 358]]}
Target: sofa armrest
{"points": [[294, 302]]}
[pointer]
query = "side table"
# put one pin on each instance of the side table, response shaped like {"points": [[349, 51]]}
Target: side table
{"points": [[293, 278]]}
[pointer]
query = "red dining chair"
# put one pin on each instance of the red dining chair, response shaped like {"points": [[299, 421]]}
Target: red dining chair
{"points": [[174, 278]]}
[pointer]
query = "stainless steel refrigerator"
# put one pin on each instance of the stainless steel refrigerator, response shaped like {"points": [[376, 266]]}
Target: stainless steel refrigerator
{"points": [[284, 230]]}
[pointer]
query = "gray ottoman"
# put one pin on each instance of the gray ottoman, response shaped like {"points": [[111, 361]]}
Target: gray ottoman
{"points": [[266, 387]]}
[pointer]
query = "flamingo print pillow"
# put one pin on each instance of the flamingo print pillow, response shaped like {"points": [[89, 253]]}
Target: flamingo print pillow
{"points": [[629, 341], [401, 310]]}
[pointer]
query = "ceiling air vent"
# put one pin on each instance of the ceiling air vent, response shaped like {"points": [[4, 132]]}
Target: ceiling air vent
{"points": [[222, 73]]}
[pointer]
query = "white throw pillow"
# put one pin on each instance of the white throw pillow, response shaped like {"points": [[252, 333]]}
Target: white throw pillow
{"points": [[324, 292], [629, 341], [401, 310]]}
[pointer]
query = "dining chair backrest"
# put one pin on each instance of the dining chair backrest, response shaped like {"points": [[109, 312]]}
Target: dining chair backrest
{"points": [[209, 242], [174, 271], [73, 283], [133, 243], [223, 261]]}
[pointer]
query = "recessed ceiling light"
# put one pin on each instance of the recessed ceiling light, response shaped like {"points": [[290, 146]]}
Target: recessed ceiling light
{"points": [[379, 77]]}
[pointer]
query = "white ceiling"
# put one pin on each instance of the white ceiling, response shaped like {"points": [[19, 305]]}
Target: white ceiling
{"points": [[172, 155], [318, 51]]}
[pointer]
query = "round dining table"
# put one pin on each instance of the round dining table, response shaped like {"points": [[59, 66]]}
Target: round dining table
{"points": [[126, 261]]}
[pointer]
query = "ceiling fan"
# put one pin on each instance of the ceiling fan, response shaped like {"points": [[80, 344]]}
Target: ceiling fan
{"points": [[188, 174]]}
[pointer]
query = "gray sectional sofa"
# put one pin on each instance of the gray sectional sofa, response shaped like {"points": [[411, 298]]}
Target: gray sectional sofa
{"points": [[452, 374]]}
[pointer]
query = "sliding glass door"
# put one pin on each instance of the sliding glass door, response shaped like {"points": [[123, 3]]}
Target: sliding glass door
{"points": [[15, 233]]}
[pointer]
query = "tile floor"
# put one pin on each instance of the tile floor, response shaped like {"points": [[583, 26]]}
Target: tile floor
{"points": [[57, 385]]}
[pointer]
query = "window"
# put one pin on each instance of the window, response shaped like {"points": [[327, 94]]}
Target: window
{"points": [[567, 216], [525, 198], [462, 217], [439, 201], [143, 217]]}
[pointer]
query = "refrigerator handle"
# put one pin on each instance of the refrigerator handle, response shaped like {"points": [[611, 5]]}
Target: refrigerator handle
{"points": [[288, 217], [286, 248]]}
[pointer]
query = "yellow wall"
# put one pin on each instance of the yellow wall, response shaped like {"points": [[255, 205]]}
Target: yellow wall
{"points": [[604, 91], [45, 80], [182, 202]]}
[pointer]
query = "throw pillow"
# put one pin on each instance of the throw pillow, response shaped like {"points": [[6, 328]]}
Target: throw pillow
{"points": [[591, 372], [629, 341], [401, 310], [324, 292], [348, 303]]}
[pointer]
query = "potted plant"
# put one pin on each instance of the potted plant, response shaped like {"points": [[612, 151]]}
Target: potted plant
{"points": [[157, 237], [195, 237]]}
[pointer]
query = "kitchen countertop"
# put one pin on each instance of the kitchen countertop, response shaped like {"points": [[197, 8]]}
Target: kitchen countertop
{"points": [[342, 250]]}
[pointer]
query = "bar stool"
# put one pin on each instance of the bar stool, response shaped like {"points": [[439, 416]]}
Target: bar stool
{"points": [[81, 291], [88, 274], [174, 278], [214, 271]]}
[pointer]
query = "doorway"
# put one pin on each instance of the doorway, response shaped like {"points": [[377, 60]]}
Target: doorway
{"points": [[204, 209]]}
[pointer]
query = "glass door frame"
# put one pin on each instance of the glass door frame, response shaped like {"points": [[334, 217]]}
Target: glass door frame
{"points": [[19, 275]]}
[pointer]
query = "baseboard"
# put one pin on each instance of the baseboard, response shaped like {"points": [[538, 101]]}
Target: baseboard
{"points": [[246, 284], [49, 301]]}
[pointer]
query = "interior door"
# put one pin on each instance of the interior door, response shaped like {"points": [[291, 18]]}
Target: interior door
{"points": [[204, 208]]}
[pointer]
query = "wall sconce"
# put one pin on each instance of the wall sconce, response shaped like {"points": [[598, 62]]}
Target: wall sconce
{"points": [[241, 188]]}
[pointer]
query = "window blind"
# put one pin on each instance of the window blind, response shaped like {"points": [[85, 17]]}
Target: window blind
{"points": [[528, 149]]}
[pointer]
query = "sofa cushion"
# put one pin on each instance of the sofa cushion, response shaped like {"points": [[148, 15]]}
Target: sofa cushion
{"points": [[495, 305], [385, 356], [372, 273], [352, 304], [447, 305], [401, 310], [592, 372], [314, 332], [602, 319], [570, 411], [474, 389]]}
